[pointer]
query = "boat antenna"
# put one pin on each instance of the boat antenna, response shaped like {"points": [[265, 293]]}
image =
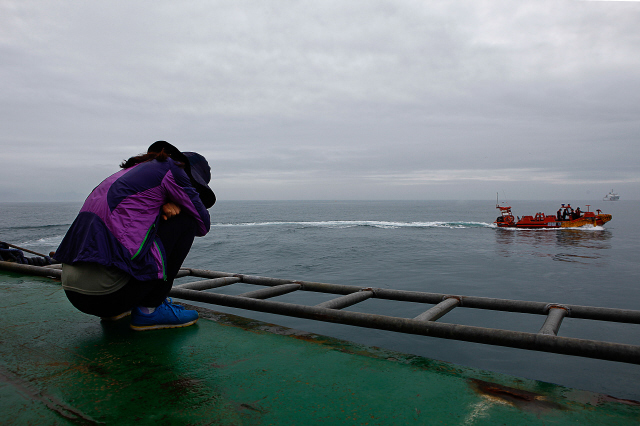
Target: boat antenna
{"points": [[498, 202]]}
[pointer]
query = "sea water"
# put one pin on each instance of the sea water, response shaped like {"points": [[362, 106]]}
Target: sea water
{"points": [[449, 247]]}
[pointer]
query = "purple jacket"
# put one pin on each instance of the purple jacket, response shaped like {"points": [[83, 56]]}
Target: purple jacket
{"points": [[117, 223]]}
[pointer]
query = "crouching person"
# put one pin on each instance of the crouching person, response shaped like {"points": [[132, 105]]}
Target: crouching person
{"points": [[125, 247]]}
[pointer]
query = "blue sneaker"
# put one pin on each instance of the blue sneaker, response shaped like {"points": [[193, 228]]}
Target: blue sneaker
{"points": [[166, 315]]}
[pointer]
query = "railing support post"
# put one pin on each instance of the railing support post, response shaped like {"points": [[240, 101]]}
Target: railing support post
{"points": [[554, 318], [348, 300], [439, 310]]}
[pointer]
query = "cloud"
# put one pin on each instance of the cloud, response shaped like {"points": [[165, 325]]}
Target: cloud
{"points": [[279, 95]]}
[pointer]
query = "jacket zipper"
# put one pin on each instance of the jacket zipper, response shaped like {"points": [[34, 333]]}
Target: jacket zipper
{"points": [[146, 237], [143, 241]]}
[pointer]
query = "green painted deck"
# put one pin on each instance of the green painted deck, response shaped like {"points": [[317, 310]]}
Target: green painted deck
{"points": [[59, 366]]}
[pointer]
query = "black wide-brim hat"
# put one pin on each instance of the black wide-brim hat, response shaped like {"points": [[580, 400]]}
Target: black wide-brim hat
{"points": [[196, 167]]}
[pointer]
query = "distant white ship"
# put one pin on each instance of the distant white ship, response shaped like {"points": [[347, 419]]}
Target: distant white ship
{"points": [[611, 196]]}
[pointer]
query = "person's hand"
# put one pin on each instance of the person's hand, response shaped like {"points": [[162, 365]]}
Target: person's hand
{"points": [[170, 210]]}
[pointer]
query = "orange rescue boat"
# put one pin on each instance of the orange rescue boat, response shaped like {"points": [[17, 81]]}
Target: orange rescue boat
{"points": [[566, 217]]}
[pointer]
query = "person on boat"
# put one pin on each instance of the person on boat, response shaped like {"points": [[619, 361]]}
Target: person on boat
{"points": [[125, 247], [577, 213], [559, 214]]}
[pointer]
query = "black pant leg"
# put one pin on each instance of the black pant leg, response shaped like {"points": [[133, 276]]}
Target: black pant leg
{"points": [[176, 234]]}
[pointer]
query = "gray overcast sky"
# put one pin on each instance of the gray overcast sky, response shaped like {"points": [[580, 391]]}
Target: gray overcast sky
{"points": [[326, 99]]}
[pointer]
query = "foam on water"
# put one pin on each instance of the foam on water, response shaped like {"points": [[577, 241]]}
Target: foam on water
{"points": [[364, 223], [53, 241]]}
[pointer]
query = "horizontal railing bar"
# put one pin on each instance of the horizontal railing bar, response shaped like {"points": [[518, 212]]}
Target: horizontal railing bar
{"points": [[508, 305], [183, 272], [604, 314], [209, 284], [203, 273], [254, 279], [345, 301], [30, 269], [515, 339], [265, 293], [439, 310], [521, 306]]}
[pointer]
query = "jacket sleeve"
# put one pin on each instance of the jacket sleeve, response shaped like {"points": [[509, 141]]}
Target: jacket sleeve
{"points": [[178, 188]]}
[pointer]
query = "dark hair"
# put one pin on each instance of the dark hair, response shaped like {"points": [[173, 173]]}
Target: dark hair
{"points": [[141, 158]]}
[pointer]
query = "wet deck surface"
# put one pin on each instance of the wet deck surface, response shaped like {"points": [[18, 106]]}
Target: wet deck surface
{"points": [[59, 366]]}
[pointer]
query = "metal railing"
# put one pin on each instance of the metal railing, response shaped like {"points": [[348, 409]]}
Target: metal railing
{"points": [[546, 339]]}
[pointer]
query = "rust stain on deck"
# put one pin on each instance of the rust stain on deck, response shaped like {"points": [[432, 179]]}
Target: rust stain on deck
{"points": [[516, 397]]}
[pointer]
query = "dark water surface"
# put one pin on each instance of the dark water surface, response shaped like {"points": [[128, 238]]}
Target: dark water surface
{"points": [[434, 246]]}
